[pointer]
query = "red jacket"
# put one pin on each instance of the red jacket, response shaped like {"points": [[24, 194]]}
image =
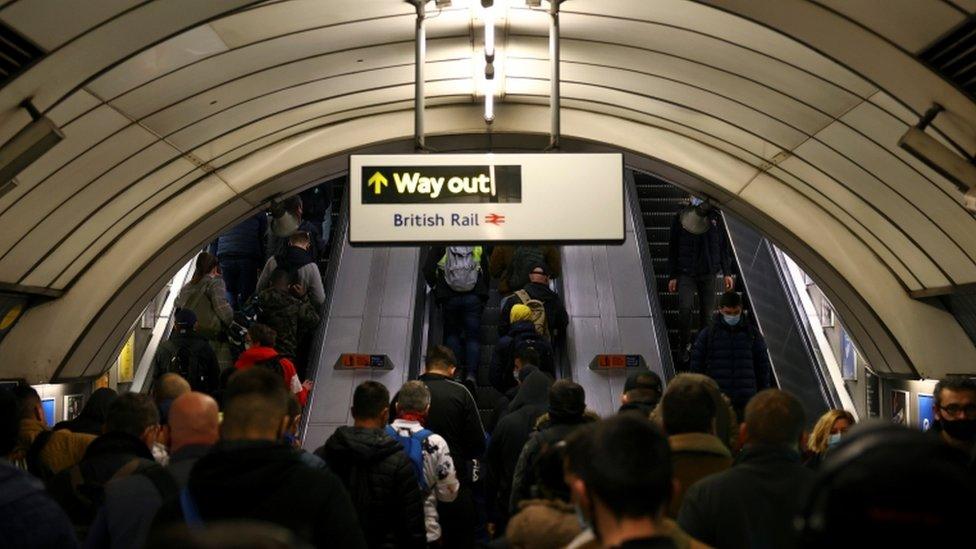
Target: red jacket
{"points": [[252, 356]]}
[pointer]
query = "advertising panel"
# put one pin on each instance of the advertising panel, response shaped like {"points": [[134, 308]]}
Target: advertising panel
{"points": [[899, 407], [473, 198], [848, 357], [926, 414]]}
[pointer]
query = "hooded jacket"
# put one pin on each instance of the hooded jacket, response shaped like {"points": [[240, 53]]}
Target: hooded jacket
{"points": [[513, 430], [382, 484], [267, 481], [290, 317], [303, 265], [62, 449], [521, 333], [28, 517], [201, 354], [735, 357]]}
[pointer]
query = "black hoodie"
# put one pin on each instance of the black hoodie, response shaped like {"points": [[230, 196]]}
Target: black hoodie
{"points": [[513, 431], [382, 483], [264, 480]]}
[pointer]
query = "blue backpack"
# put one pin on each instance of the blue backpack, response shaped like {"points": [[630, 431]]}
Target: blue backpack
{"points": [[413, 445]]}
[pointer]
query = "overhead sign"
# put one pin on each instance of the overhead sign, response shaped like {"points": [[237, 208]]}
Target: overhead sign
{"points": [[466, 198]]}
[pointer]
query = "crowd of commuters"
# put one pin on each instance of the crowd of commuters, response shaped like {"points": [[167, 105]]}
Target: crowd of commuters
{"points": [[715, 457]]}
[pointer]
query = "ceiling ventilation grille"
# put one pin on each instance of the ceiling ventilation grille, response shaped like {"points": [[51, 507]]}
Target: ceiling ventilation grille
{"points": [[16, 54], [954, 56]]}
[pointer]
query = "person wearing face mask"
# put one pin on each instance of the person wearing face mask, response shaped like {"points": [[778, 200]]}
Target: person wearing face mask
{"points": [[733, 353], [955, 413], [826, 435], [435, 474], [697, 253]]}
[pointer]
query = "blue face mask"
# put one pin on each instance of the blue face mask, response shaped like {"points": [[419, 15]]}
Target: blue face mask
{"points": [[732, 320], [833, 441], [695, 201]]}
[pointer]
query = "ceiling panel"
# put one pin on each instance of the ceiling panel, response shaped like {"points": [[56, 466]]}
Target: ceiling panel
{"points": [[941, 202], [265, 22], [689, 15], [56, 75], [773, 102], [911, 24], [308, 105], [855, 226], [236, 63], [85, 202], [250, 94], [63, 186], [193, 45], [862, 211], [816, 91], [914, 224], [51, 23], [79, 137], [75, 256], [72, 107]]}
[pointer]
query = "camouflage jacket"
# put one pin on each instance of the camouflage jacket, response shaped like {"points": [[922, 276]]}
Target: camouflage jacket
{"points": [[290, 317]]}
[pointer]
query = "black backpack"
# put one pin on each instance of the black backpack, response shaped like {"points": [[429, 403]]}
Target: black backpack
{"points": [[524, 259], [243, 319], [184, 363]]}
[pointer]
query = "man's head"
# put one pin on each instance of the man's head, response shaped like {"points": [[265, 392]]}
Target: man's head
{"points": [[193, 419], [300, 239], [644, 387], [28, 403], [185, 320], [567, 401], [526, 356], [730, 305], [134, 414], [255, 406], [955, 408], [169, 386], [370, 405], [688, 408], [414, 399], [773, 418], [260, 335], [293, 205], [619, 470], [280, 279], [539, 274], [440, 360], [9, 421]]}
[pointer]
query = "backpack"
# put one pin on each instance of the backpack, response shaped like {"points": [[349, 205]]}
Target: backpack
{"points": [[413, 445], [538, 309], [247, 315], [183, 363], [523, 260], [196, 297], [461, 266]]}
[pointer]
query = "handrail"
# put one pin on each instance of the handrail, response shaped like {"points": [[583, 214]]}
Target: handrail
{"points": [[161, 329]]}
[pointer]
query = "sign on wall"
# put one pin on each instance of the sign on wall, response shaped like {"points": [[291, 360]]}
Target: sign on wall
{"points": [[848, 356], [466, 198]]}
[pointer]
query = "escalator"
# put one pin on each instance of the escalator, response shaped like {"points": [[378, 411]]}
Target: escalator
{"points": [[766, 290]]}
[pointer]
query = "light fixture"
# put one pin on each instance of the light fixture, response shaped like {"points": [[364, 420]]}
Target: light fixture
{"points": [[533, 3], [489, 100], [957, 169], [442, 3], [29, 144], [488, 16]]}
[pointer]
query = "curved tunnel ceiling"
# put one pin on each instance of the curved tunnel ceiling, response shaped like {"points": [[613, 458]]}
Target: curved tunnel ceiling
{"points": [[176, 112]]}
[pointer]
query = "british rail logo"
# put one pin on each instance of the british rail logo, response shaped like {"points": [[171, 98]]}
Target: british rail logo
{"points": [[441, 184]]}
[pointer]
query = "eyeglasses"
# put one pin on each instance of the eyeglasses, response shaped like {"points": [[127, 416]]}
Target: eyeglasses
{"points": [[956, 409]]}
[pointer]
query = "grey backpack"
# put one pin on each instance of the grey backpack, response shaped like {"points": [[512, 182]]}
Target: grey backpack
{"points": [[461, 265]]}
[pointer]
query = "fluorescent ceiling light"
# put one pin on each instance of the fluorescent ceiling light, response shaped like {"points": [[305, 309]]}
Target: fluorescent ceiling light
{"points": [[29, 144]]}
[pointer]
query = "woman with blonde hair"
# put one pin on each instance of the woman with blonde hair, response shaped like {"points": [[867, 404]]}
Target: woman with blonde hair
{"points": [[826, 434]]}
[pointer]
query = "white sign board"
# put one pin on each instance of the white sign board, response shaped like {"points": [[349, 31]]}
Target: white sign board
{"points": [[459, 198]]}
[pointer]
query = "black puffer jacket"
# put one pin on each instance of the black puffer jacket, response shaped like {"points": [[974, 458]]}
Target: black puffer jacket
{"points": [[735, 357], [513, 431], [381, 481]]}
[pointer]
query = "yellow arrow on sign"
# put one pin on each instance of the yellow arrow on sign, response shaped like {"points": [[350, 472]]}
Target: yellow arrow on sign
{"points": [[377, 182]]}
